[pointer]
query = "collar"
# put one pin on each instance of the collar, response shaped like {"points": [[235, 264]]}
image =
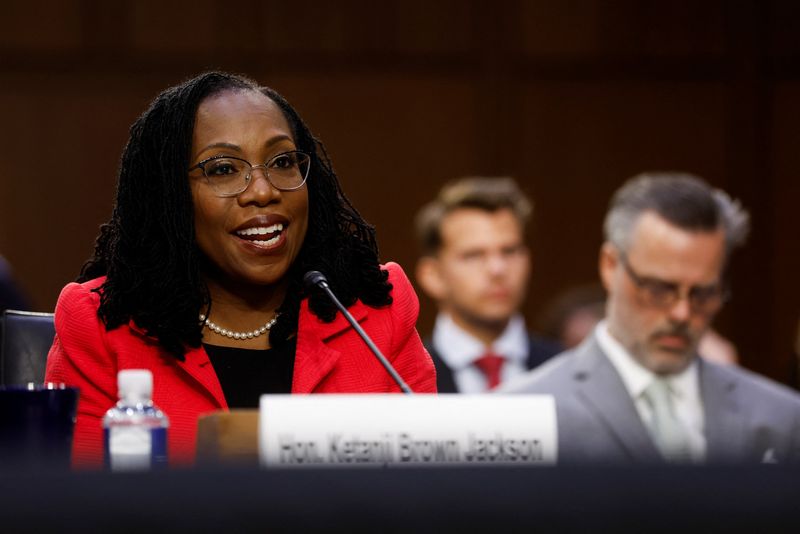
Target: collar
{"points": [[636, 377], [319, 328], [459, 349]]}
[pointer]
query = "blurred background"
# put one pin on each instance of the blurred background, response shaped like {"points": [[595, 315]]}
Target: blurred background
{"points": [[571, 97]]}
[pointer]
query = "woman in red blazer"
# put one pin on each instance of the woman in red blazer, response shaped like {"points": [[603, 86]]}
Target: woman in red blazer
{"points": [[224, 201]]}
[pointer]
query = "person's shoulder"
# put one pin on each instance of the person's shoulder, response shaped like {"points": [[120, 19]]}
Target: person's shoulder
{"points": [[405, 305], [80, 292], [549, 377], [402, 290], [542, 348], [397, 276], [756, 387], [78, 302]]}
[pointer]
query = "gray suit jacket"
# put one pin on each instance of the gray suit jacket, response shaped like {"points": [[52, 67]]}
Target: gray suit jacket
{"points": [[748, 418]]}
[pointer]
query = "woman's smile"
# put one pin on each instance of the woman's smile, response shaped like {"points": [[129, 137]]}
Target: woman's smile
{"points": [[263, 234]]}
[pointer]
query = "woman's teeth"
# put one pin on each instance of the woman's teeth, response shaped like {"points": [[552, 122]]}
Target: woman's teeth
{"points": [[252, 234], [261, 230]]}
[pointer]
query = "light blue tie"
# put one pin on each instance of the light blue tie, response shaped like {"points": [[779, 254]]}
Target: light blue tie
{"points": [[668, 432]]}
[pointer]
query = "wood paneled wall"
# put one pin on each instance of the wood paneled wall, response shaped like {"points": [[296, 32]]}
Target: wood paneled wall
{"points": [[570, 96]]}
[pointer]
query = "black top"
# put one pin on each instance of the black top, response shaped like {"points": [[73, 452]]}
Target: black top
{"points": [[245, 374]]}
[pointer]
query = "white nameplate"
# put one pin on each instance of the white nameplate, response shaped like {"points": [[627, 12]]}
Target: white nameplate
{"points": [[394, 430]]}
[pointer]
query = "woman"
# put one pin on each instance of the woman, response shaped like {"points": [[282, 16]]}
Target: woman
{"points": [[224, 201]]}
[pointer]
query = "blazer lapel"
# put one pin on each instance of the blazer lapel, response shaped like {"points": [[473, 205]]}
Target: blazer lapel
{"points": [[314, 360], [198, 366], [602, 391], [724, 418]]}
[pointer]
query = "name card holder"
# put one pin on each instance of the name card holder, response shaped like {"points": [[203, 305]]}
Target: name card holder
{"points": [[397, 430]]}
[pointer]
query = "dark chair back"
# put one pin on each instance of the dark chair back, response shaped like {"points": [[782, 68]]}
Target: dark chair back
{"points": [[25, 340]]}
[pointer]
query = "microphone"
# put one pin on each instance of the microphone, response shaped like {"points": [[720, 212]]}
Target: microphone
{"points": [[315, 279]]}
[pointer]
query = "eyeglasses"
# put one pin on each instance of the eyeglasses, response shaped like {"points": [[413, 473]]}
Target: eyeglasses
{"points": [[229, 176], [662, 294]]}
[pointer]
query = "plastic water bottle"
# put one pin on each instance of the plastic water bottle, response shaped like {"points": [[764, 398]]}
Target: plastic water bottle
{"points": [[135, 430]]}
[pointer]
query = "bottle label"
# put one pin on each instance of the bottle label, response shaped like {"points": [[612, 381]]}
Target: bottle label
{"points": [[158, 458], [135, 448]]}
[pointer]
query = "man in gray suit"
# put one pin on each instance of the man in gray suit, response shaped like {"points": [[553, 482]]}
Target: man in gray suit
{"points": [[635, 390]]}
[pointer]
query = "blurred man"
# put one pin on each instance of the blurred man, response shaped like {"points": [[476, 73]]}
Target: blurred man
{"points": [[635, 391], [476, 266]]}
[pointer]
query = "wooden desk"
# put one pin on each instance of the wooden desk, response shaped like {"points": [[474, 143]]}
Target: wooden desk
{"points": [[228, 438]]}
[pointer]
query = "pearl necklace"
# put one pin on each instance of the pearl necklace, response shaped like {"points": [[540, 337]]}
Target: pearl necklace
{"points": [[214, 327]]}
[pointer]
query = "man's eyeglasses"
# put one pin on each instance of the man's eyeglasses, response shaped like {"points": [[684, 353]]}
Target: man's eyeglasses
{"points": [[229, 176], [662, 294]]}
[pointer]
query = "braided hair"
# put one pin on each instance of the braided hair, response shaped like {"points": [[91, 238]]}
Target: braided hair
{"points": [[148, 251]]}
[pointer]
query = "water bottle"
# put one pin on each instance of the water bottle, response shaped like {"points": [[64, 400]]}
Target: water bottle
{"points": [[135, 431]]}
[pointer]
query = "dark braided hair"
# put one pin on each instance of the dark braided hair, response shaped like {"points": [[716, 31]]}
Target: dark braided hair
{"points": [[148, 250]]}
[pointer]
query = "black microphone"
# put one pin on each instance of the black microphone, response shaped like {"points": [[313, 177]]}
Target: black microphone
{"points": [[314, 279]]}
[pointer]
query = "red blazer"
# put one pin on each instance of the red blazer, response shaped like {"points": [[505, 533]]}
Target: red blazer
{"points": [[330, 358]]}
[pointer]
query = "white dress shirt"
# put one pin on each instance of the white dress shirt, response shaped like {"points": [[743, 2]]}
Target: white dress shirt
{"points": [[459, 350], [684, 390]]}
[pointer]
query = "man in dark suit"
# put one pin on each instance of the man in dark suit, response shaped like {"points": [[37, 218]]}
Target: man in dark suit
{"points": [[476, 265], [635, 391]]}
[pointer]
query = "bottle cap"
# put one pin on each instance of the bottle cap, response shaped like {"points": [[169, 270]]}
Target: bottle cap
{"points": [[135, 384]]}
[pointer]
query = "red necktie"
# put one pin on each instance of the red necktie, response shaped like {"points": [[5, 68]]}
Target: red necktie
{"points": [[490, 364]]}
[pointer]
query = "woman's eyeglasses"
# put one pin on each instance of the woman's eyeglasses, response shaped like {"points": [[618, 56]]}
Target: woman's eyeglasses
{"points": [[229, 176]]}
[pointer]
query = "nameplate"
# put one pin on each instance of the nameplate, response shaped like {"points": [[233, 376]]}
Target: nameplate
{"points": [[399, 430]]}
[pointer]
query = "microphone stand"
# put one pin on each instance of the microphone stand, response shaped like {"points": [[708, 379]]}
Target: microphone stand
{"points": [[315, 278]]}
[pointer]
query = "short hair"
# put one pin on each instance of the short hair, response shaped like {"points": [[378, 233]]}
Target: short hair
{"points": [[148, 251], [683, 199], [484, 193]]}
